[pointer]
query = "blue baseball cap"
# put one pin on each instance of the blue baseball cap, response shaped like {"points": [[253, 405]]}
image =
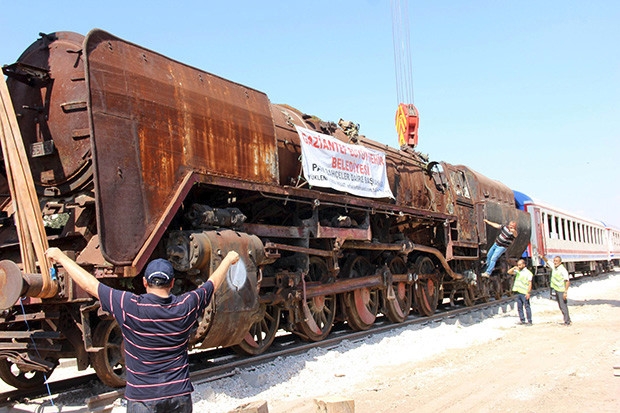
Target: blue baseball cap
{"points": [[159, 272]]}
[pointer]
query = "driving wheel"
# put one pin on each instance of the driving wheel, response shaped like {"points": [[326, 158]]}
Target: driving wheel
{"points": [[318, 312], [361, 305], [426, 288], [109, 362], [398, 306], [262, 333]]}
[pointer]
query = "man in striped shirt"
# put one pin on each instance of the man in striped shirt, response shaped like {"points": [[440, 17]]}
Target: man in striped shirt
{"points": [[156, 327], [507, 234]]}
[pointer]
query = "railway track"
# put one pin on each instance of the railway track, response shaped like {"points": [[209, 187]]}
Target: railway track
{"points": [[214, 364]]}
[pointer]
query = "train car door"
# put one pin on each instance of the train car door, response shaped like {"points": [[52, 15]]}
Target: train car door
{"points": [[537, 244]]}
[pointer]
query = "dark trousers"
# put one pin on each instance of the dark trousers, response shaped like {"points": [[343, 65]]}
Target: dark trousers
{"points": [[180, 404], [522, 302], [563, 304]]}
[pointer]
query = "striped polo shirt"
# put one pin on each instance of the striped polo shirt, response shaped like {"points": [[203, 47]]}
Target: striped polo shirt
{"points": [[505, 237], [156, 334]]}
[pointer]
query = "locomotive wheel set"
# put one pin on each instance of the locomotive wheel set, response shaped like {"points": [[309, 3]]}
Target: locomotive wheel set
{"points": [[136, 156]]}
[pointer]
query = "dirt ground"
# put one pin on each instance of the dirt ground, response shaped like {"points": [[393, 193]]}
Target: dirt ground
{"points": [[546, 367]]}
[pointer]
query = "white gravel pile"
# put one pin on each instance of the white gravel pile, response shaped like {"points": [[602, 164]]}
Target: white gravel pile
{"points": [[330, 372]]}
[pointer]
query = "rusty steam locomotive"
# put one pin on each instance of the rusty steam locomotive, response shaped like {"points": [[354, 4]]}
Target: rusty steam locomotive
{"points": [[136, 156]]}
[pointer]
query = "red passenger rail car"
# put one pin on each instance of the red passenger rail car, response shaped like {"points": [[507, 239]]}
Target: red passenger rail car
{"points": [[137, 156], [586, 246]]}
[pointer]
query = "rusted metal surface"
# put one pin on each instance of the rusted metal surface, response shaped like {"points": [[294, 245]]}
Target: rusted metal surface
{"points": [[503, 215], [289, 147], [404, 247], [234, 307], [13, 285], [411, 182], [309, 251], [497, 203], [463, 189], [488, 189], [284, 193], [161, 226], [343, 233], [49, 96], [153, 119], [341, 286], [442, 260], [276, 231]]}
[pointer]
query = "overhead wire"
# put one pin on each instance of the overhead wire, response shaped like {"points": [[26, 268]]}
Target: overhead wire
{"points": [[402, 51]]}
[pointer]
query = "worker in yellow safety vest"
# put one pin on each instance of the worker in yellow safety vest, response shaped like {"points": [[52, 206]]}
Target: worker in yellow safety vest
{"points": [[559, 283], [522, 286]]}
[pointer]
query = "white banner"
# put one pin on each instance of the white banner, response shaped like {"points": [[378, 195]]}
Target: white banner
{"points": [[330, 163]]}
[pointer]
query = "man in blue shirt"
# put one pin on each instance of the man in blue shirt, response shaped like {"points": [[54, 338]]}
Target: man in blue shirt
{"points": [[156, 327]]}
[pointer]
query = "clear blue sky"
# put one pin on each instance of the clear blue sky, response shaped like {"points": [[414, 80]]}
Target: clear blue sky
{"points": [[526, 92]]}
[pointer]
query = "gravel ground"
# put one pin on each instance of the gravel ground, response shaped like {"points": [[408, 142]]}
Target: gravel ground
{"points": [[350, 370], [379, 373]]}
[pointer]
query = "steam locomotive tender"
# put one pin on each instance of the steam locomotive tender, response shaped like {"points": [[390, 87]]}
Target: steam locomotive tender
{"points": [[137, 156]]}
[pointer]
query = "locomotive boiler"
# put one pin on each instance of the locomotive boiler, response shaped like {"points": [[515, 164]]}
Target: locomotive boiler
{"points": [[137, 156]]}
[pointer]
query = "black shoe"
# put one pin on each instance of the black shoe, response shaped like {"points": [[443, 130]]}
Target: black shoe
{"points": [[568, 323]]}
